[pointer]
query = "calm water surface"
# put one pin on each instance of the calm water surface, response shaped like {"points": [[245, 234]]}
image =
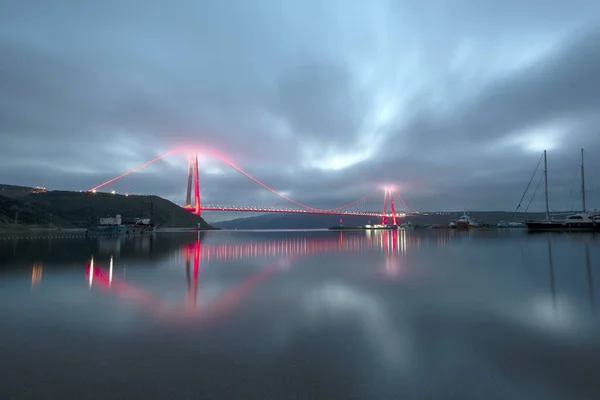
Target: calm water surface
{"points": [[310, 315]]}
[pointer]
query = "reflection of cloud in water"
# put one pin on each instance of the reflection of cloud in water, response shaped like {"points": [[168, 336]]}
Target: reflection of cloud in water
{"points": [[332, 302], [560, 315]]}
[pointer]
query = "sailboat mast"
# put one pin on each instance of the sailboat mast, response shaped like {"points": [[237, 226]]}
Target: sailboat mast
{"points": [[582, 184], [546, 185]]}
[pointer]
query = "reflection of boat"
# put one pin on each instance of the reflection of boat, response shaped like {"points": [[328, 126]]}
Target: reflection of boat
{"points": [[581, 222], [366, 227], [590, 278], [467, 222], [107, 229], [511, 224], [141, 225], [407, 226]]}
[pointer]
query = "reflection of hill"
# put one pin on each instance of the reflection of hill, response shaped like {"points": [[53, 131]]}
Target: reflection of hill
{"points": [[223, 246], [72, 252]]}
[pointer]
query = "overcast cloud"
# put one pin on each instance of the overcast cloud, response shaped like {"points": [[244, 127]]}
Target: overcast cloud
{"points": [[451, 101]]}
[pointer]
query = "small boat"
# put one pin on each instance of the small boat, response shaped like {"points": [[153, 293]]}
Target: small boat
{"points": [[108, 225], [467, 222]]}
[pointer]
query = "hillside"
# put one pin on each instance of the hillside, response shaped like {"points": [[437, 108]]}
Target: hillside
{"points": [[76, 209], [23, 212], [15, 191], [305, 221]]}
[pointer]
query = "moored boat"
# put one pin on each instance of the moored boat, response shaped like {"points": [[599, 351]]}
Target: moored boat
{"points": [[578, 222], [467, 222], [108, 225]]}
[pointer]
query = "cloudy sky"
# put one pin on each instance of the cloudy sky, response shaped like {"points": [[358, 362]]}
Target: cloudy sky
{"points": [[450, 101]]}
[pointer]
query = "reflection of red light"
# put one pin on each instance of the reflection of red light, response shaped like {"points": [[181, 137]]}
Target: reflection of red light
{"points": [[196, 268], [218, 308], [287, 246], [234, 295], [101, 278], [384, 240]]}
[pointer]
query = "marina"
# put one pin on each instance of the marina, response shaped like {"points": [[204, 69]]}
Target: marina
{"points": [[583, 221]]}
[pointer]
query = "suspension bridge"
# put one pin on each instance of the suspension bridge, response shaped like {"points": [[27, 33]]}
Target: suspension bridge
{"points": [[194, 205]]}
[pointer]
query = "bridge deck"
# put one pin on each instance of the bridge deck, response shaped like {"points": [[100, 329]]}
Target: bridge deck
{"points": [[291, 211]]}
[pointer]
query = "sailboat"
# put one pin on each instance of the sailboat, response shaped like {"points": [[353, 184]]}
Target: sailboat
{"points": [[580, 222]]}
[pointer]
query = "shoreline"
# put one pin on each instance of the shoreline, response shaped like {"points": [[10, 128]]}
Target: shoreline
{"points": [[24, 229]]}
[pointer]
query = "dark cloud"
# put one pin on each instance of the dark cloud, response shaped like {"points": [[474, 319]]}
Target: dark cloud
{"points": [[565, 85], [560, 87], [321, 101]]}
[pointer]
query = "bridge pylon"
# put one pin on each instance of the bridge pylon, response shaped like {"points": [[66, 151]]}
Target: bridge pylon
{"points": [[394, 221], [387, 192], [193, 178], [384, 220]]}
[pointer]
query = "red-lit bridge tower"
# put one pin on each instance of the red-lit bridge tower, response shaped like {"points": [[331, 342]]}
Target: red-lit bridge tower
{"points": [[384, 219], [193, 178]]}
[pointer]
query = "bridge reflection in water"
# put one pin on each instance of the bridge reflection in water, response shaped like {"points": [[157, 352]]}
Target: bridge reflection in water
{"points": [[284, 250], [390, 242], [394, 245]]}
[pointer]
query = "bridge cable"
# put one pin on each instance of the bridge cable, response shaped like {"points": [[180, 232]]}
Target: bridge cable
{"points": [[241, 171], [351, 203], [133, 170], [234, 166], [403, 203]]}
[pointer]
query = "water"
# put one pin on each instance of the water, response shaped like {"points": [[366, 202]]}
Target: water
{"points": [[311, 315]]}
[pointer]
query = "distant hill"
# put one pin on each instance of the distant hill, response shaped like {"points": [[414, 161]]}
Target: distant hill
{"points": [[306, 221], [76, 209], [15, 191]]}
